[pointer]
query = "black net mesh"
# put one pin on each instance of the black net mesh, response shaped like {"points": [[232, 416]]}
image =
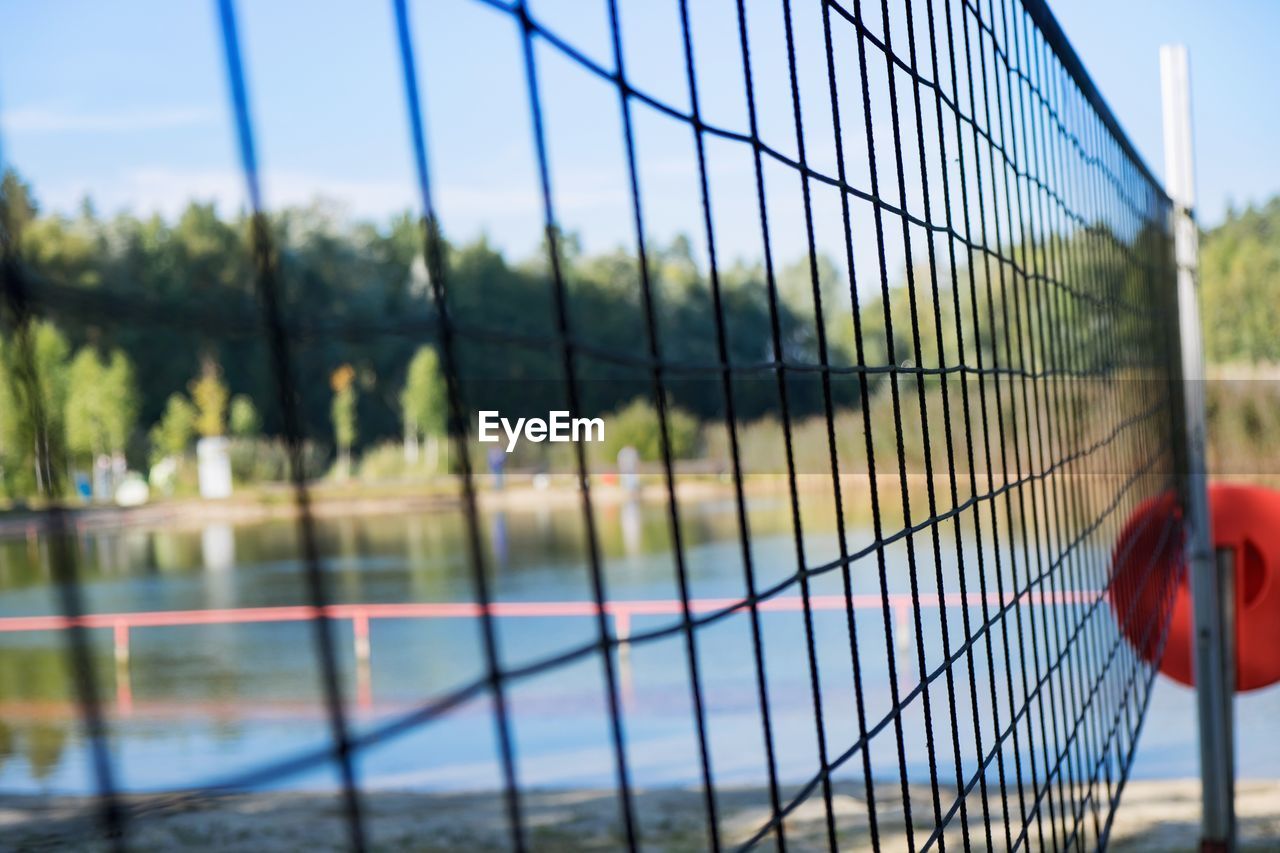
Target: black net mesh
{"points": [[984, 369]]}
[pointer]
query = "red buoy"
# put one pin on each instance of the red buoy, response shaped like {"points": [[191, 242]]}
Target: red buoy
{"points": [[1149, 551]]}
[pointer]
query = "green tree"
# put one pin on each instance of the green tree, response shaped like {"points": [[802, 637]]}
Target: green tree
{"points": [[1239, 278], [344, 415], [245, 422], [102, 403], [32, 427], [210, 395], [423, 402], [84, 405], [10, 450], [637, 425], [121, 416], [173, 435], [17, 206]]}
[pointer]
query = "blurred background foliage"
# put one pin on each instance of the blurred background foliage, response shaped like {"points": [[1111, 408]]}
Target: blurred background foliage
{"points": [[1240, 287], [1240, 308], [149, 337]]}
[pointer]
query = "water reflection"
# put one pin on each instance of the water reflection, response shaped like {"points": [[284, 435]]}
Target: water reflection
{"points": [[632, 523], [192, 702], [498, 538], [219, 697], [218, 546], [34, 743]]}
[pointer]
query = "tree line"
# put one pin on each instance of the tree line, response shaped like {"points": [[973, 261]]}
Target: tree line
{"points": [[149, 332]]}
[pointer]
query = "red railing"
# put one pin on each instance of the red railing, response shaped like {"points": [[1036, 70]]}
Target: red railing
{"points": [[622, 612]]}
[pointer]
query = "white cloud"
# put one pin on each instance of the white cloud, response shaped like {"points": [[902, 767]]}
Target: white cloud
{"points": [[55, 120], [590, 204], [167, 191]]}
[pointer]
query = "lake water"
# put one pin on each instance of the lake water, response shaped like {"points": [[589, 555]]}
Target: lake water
{"points": [[197, 704]]}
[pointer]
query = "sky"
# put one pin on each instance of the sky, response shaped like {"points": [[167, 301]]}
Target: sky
{"points": [[125, 103], [1234, 66]]}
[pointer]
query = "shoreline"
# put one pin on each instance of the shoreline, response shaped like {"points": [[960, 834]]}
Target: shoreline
{"points": [[327, 500], [277, 503], [1152, 816]]}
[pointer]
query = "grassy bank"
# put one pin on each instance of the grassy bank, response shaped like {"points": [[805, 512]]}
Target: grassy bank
{"points": [[522, 492]]}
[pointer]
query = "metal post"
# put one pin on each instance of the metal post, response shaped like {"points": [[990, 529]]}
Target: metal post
{"points": [[1213, 686], [1227, 595]]}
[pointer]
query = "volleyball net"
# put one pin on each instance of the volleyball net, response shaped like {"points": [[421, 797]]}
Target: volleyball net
{"points": [[958, 319]]}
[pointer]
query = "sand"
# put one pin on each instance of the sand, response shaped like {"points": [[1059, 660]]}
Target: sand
{"points": [[1153, 816]]}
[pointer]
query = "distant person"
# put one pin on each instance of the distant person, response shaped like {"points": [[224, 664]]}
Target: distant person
{"points": [[497, 466], [84, 486], [628, 463], [103, 485], [498, 539]]}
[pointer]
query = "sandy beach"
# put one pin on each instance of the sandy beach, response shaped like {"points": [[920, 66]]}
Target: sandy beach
{"points": [[1153, 816]]}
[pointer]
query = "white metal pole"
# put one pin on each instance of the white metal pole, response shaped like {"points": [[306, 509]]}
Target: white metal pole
{"points": [[1213, 683]]}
